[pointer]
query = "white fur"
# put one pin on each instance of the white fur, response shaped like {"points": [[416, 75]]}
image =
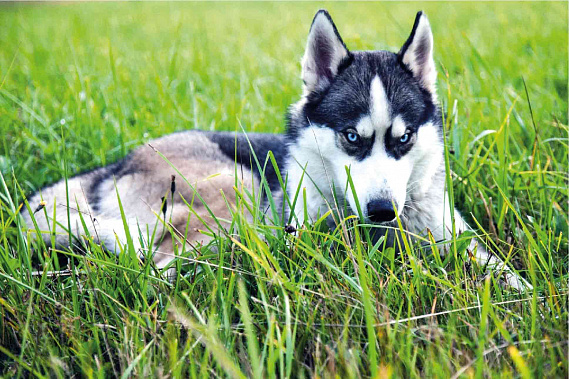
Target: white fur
{"points": [[377, 176], [310, 161], [316, 163], [398, 128], [427, 155], [365, 127], [380, 108]]}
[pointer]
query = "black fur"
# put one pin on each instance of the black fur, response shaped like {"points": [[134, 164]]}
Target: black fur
{"points": [[360, 150], [395, 148], [117, 170], [238, 146], [341, 105], [421, 50]]}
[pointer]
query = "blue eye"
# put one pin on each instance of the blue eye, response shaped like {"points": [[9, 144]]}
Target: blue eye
{"points": [[352, 137], [404, 138]]}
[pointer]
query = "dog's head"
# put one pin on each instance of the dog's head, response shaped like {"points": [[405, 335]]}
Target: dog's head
{"points": [[370, 115]]}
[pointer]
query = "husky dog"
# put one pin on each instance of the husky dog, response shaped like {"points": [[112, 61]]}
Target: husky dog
{"points": [[369, 116]]}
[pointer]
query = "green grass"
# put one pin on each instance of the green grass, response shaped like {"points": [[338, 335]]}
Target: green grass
{"points": [[83, 84]]}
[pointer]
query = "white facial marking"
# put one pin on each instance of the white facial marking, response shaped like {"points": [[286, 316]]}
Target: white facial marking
{"points": [[378, 177], [380, 109], [382, 177], [398, 128], [365, 127]]}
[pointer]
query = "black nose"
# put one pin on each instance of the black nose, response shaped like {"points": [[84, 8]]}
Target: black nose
{"points": [[380, 210]]}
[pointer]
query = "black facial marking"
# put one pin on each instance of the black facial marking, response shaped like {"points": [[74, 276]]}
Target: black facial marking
{"points": [[394, 147], [341, 105], [360, 150]]}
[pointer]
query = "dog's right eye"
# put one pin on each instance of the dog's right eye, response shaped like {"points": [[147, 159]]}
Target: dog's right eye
{"points": [[352, 137]]}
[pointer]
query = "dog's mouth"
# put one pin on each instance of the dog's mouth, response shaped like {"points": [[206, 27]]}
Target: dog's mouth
{"points": [[367, 220]]}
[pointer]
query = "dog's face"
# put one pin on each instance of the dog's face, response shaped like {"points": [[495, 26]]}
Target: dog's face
{"points": [[370, 115]]}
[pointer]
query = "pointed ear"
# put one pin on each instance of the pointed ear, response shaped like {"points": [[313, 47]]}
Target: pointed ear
{"points": [[324, 53], [417, 53]]}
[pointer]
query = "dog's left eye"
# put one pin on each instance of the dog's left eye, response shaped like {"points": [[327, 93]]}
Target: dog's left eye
{"points": [[405, 137], [352, 137]]}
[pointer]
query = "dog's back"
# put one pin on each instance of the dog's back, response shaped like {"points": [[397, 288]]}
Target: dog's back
{"points": [[154, 180]]}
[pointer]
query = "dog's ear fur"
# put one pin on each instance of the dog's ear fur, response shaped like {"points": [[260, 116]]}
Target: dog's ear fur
{"points": [[417, 53], [325, 52]]}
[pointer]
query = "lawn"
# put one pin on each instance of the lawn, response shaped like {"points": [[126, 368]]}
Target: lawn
{"points": [[82, 84]]}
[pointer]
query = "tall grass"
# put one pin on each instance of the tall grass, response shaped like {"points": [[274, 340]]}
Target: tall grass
{"points": [[82, 84]]}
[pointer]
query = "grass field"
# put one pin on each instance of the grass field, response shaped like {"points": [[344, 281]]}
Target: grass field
{"points": [[83, 84]]}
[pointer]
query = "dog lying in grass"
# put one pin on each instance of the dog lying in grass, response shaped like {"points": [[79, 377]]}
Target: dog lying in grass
{"points": [[366, 138]]}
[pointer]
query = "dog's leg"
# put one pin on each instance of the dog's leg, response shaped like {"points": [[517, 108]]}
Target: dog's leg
{"points": [[69, 215], [492, 262], [483, 257], [111, 232]]}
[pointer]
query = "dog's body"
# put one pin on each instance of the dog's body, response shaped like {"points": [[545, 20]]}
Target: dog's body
{"points": [[372, 116], [143, 182]]}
